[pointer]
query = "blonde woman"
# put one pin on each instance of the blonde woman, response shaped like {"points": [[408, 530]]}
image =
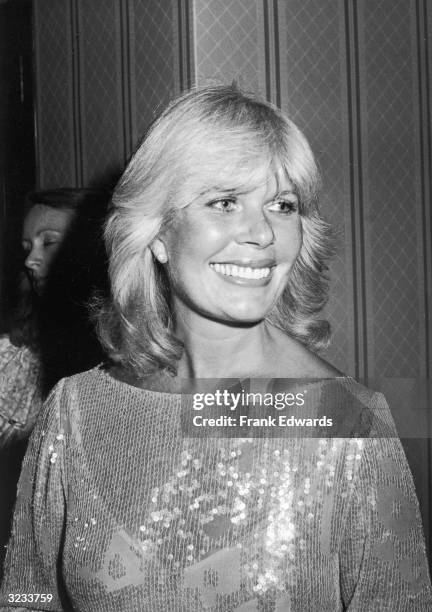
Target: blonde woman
{"points": [[217, 265]]}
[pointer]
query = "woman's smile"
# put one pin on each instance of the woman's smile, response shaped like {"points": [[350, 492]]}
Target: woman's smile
{"points": [[253, 273]]}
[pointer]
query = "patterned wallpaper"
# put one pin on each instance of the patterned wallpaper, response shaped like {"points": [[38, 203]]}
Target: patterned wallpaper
{"points": [[392, 205], [103, 69], [227, 43], [100, 90], [154, 56], [54, 99], [313, 42]]}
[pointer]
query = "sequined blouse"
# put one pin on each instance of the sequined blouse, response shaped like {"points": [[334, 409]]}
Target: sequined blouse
{"points": [[118, 510], [20, 391]]}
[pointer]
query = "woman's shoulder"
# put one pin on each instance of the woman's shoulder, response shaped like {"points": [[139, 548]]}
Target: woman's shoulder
{"points": [[102, 389], [354, 406], [77, 401], [292, 359], [90, 382], [5, 342], [314, 365], [11, 351]]}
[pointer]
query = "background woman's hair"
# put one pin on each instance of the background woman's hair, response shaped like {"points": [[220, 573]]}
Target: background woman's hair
{"points": [[68, 198], [206, 134]]}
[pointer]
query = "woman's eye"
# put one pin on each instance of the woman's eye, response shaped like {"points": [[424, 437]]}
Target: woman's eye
{"points": [[224, 206], [283, 206], [48, 243]]}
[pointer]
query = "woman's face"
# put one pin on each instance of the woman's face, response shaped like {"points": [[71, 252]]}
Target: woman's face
{"points": [[43, 233], [228, 254]]}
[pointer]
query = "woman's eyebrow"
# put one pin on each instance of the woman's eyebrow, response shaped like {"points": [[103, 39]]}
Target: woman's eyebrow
{"points": [[220, 190], [212, 191], [48, 229], [217, 189], [286, 192]]}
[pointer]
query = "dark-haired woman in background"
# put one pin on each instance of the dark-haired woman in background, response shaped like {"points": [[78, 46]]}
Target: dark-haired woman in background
{"points": [[50, 335], [49, 331], [217, 267]]}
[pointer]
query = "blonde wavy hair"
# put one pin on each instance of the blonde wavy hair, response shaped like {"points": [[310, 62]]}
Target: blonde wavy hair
{"points": [[203, 135]]}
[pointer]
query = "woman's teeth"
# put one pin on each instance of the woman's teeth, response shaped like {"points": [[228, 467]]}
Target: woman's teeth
{"points": [[241, 271]]}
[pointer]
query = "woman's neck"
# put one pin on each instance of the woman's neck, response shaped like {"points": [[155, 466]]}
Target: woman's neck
{"points": [[213, 349]]}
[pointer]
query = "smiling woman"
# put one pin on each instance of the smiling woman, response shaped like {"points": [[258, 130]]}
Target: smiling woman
{"points": [[218, 257]]}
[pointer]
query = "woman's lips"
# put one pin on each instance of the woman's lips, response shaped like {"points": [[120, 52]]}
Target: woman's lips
{"points": [[255, 273]]}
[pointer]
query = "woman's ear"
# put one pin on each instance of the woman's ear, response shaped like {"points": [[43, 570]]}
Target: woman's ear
{"points": [[159, 251]]}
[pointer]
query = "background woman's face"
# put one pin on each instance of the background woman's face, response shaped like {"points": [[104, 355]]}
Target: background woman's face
{"points": [[43, 233], [229, 253]]}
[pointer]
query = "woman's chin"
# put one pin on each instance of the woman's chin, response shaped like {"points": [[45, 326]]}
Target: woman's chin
{"points": [[244, 317], [38, 286]]}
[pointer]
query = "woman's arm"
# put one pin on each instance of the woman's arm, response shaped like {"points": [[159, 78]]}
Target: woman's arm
{"points": [[32, 568], [383, 564], [20, 391]]}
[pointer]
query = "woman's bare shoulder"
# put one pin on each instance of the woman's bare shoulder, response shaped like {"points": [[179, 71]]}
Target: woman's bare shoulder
{"points": [[293, 359]]}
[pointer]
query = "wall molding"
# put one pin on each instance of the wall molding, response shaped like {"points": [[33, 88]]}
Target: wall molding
{"points": [[272, 51], [184, 20], [36, 100], [425, 154], [126, 94], [356, 182], [423, 20], [77, 102]]}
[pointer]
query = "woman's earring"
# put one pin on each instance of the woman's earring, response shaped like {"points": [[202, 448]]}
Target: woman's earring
{"points": [[159, 251]]}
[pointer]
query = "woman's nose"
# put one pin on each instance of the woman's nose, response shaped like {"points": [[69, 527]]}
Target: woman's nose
{"points": [[256, 229], [33, 261]]}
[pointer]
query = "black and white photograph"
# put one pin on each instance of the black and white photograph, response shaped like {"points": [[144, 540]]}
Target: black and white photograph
{"points": [[215, 305]]}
